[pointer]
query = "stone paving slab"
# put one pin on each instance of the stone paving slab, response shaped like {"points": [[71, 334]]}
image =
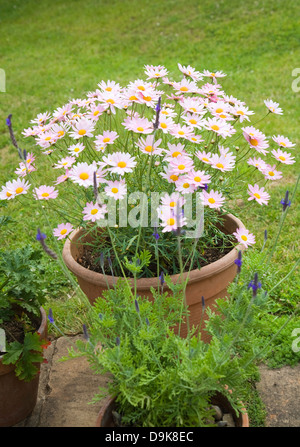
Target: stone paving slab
{"points": [[66, 388]]}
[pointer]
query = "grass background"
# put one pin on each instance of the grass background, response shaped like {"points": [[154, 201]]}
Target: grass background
{"points": [[54, 51]]}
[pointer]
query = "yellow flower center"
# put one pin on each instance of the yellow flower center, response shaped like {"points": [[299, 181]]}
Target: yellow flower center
{"points": [[253, 141], [197, 179], [181, 167], [176, 153], [47, 138], [215, 127], [282, 158], [271, 173], [106, 140], [8, 194], [63, 231], [163, 125], [171, 221], [108, 89], [192, 121], [110, 101], [172, 204], [180, 132], [244, 237], [219, 110], [211, 200], [45, 194], [186, 185], [184, 89], [256, 195], [84, 176], [282, 143], [133, 98], [193, 109], [222, 116], [140, 129], [122, 164], [141, 87], [82, 132], [96, 113], [205, 159], [147, 98], [60, 133], [148, 148], [219, 165], [76, 149], [174, 177], [240, 112], [19, 190], [94, 211]]}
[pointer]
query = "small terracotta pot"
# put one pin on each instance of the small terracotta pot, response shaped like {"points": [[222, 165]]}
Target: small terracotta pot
{"points": [[18, 398], [211, 281], [105, 418]]}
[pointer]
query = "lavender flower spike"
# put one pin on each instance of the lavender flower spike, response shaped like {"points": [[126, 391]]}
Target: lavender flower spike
{"points": [[254, 285], [50, 316], [41, 238], [239, 261], [285, 202]]}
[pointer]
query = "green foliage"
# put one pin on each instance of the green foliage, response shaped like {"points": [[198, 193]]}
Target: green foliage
{"points": [[21, 297], [25, 356], [160, 379]]}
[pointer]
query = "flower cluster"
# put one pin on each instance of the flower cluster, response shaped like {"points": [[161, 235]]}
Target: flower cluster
{"points": [[175, 135]]}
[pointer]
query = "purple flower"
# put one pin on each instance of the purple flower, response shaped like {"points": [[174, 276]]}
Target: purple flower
{"points": [[118, 341], [50, 316], [157, 110], [239, 261], [285, 202], [137, 306], [203, 302], [254, 284], [85, 332], [40, 236]]}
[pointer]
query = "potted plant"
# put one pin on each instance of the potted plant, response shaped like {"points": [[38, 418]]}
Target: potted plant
{"points": [[140, 161], [23, 332]]}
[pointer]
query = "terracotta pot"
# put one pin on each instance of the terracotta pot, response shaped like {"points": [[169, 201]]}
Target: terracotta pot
{"points": [[18, 398], [211, 281], [105, 418]]}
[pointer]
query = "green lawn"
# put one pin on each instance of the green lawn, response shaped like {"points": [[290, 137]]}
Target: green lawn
{"points": [[54, 51]]}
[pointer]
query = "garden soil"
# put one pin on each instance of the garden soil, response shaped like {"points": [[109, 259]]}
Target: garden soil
{"points": [[67, 387]]}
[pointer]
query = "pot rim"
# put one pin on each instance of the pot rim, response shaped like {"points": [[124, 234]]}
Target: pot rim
{"points": [[145, 283], [108, 404]]}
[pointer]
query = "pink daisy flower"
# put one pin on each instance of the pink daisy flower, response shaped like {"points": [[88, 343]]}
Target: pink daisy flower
{"points": [[258, 194], [116, 189], [41, 118], [213, 74], [166, 124], [213, 199], [65, 163], [120, 162], [93, 211], [190, 72], [147, 147], [244, 237], [181, 164], [108, 137], [204, 156], [62, 112], [173, 200], [155, 72], [170, 221], [75, 149], [199, 178], [185, 185], [256, 139], [17, 187], [82, 128], [95, 112], [222, 162], [174, 151], [271, 173], [242, 112], [182, 131], [169, 175], [185, 86], [217, 125], [83, 174], [283, 157], [62, 178], [45, 139], [111, 100], [192, 105], [259, 163], [45, 192], [138, 125], [23, 170], [193, 119], [62, 230], [273, 107], [283, 141]]}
